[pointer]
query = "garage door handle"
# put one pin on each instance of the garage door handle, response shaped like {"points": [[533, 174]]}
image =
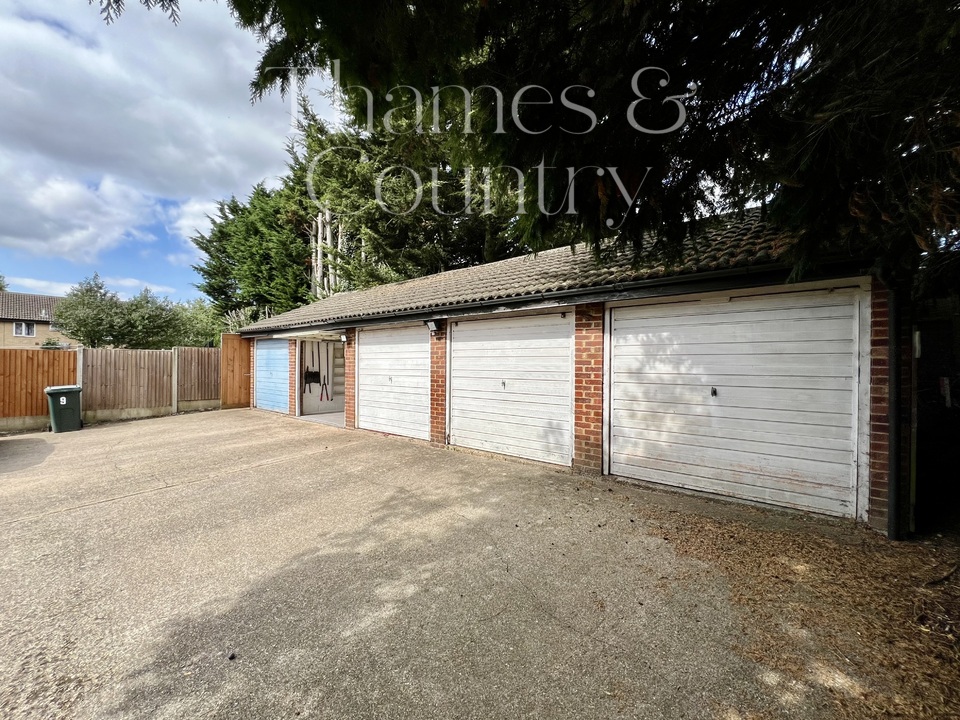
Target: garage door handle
{"points": [[713, 392], [504, 384]]}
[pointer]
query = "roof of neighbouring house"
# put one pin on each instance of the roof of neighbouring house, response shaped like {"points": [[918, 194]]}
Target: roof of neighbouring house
{"points": [[722, 244], [26, 306]]}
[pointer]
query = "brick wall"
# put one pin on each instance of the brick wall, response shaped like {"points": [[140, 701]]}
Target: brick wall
{"points": [[588, 388], [438, 384], [253, 374], [350, 380], [42, 332], [292, 380], [906, 403], [880, 406]]}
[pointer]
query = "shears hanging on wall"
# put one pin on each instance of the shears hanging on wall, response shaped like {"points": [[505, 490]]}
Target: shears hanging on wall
{"points": [[311, 377]]}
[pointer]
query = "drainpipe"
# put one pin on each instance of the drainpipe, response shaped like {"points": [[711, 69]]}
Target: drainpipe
{"points": [[893, 403]]}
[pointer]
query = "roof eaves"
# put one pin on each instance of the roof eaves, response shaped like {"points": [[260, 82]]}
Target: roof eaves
{"points": [[597, 293]]}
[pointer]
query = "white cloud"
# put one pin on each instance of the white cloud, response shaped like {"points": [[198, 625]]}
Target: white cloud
{"points": [[63, 217], [186, 221], [134, 284], [166, 107], [192, 217], [43, 287], [125, 287], [101, 122], [184, 259]]}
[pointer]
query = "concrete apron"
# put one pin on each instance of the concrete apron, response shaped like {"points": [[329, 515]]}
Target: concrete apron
{"points": [[244, 564]]}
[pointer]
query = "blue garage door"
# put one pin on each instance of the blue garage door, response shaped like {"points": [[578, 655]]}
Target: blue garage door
{"points": [[271, 383]]}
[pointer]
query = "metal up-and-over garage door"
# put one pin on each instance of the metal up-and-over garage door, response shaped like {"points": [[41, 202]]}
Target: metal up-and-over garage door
{"points": [[751, 397], [510, 386], [271, 375], [393, 381]]}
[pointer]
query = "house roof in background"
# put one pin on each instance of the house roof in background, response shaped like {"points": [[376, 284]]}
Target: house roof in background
{"points": [[26, 306], [722, 244]]}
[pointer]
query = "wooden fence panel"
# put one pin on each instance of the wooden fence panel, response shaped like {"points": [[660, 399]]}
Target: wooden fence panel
{"points": [[234, 371], [127, 379], [116, 383], [25, 373], [198, 374]]}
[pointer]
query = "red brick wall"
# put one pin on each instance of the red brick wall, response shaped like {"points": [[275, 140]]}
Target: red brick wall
{"points": [[588, 388], [253, 374], [350, 380], [880, 405], [292, 379], [438, 384]]}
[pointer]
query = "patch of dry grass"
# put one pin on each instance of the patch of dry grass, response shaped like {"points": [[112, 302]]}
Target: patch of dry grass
{"points": [[873, 623]]}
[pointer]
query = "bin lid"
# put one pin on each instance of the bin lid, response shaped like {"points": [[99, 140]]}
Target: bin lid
{"points": [[62, 388]]}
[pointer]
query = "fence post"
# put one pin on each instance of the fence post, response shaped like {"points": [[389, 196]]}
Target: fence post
{"points": [[80, 375], [176, 377]]}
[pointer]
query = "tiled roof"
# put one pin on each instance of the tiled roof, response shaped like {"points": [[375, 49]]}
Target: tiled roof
{"points": [[722, 244], [24, 306]]}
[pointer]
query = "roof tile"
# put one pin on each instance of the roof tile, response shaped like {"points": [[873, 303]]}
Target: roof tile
{"points": [[26, 306], [721, 244]]}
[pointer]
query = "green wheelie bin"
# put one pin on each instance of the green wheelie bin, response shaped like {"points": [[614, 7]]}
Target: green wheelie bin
{"points": [[64, 401]]}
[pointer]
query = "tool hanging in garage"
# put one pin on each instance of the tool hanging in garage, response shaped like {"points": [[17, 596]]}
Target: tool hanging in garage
{"points": [[328, 368], [313, 377]]}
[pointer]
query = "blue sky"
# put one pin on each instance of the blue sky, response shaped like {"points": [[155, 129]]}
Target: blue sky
{"points": [[116, 141]]}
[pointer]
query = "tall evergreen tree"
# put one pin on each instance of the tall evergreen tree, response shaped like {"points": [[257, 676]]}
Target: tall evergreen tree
{"points": [[841, 115], [218, 267], [392, 224], [262, 252], [256, 254]]}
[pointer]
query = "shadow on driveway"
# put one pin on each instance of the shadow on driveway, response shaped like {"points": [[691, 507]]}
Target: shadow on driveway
{"points": [[20, 453], [246, 565], [471, 608]]}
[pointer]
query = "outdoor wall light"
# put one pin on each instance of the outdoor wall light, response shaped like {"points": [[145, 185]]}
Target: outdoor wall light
{"points": [[431, 325], [343, 338]]}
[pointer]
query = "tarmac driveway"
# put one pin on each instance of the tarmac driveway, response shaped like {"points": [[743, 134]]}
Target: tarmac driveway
{"points": [[240, 564]]}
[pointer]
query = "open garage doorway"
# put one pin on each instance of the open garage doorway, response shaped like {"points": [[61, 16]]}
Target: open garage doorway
{"points": [[322, 381], [936, 480]]}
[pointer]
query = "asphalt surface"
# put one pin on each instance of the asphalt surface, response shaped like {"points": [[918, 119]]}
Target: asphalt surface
{"points": [[240, 564]]}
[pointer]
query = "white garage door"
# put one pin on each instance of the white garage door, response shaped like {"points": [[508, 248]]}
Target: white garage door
{"points": [[271, 382], [393, 381], [511, 386], [752, 397]]}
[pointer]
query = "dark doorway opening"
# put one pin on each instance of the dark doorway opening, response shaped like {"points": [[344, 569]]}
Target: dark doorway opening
{"points": [[937, 419]]}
